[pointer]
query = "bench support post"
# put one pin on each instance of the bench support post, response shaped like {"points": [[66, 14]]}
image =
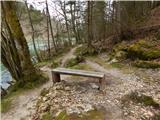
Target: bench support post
{"points": [[101, 82], [56, 77]]}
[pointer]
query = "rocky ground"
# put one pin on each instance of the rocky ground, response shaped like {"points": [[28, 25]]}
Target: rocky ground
{"points": [[126, 96], [79, 97]]}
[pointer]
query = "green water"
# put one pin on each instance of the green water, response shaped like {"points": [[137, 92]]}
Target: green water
{"points": [[6, 76]]}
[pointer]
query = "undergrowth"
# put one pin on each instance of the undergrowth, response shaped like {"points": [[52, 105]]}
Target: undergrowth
{"points": [[18, 88]]}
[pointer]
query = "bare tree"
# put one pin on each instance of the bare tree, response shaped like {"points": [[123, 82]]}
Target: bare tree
{"points": [[49, 19], [33, 31], [63, 8]]}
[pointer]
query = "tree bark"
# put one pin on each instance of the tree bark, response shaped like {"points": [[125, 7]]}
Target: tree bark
{"points": [[48, 41], [28, 69], [33, 40], [73, 21], [49, 18], [63, 8]]}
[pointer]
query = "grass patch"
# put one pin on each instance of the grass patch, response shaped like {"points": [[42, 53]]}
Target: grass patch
{"points": [[6, 105], [20, 87], [90, 115], [81, 66], [47, 116], [62, 116], [34, 82], [106, 65], [84, 50], [117, 65], [98, 60], [74, 61], [44, 92], [141, 98], [50, 63], [55, 61], [55, 64], [146, 64], [43, 63]]}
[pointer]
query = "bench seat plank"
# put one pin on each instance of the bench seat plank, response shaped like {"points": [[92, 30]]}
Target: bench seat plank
{"points": [[78, 72]]}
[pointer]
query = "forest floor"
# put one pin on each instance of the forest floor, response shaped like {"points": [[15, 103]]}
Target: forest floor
{"points": [[113, 102]]}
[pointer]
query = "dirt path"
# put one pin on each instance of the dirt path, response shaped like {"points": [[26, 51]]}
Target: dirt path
{"points": [[23, 104], [119, 84], [69, 55]]}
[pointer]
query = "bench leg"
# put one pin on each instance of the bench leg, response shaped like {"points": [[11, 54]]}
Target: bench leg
{"points": [[56, 77], [101, 82]]}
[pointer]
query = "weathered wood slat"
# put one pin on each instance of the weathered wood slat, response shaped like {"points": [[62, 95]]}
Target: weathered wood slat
{"points": [[78, 72]]}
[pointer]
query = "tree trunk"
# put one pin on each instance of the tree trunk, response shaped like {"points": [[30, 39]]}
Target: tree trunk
{"points": [[28, 69], [63, 8], [73, 22], [48, 41], [89, 20], [49, 18], [30, 20]]}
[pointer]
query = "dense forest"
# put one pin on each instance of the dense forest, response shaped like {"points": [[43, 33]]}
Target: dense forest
{"points": [[120, 39]]}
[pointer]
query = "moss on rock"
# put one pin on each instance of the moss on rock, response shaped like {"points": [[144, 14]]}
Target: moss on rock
{"points": [[141, 98], [118, 51], [85, 51], [143, 50], [146, 64], [74, 61]]}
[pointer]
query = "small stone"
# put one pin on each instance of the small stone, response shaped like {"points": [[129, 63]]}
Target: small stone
{"points": [[59, 87], [67, 88], [44, 99], [150, 113], [94, 86], [125, 113], [44, 107]]}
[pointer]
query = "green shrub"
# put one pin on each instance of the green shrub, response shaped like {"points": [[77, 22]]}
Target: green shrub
{"points": [[119, 51], [146, 64], [55, 64], [74, 61], [25, 84], [85, 51]]}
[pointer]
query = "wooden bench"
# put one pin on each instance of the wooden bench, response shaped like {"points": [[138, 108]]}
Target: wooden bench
{"points": [[56, 74]]}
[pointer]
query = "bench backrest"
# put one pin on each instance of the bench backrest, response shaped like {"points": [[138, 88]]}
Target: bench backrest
{"points": [[78, 72]]}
